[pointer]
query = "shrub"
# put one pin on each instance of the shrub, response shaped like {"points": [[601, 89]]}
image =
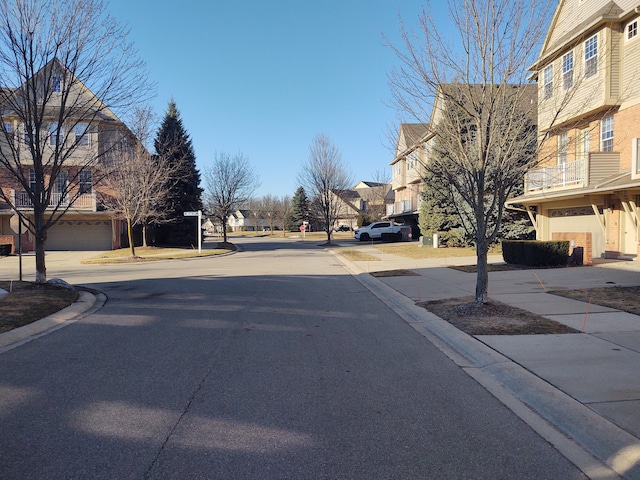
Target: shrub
{"points": [[536, 253]]}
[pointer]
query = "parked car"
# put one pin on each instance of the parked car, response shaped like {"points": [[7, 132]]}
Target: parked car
{"points": [[379, 230], [342, 228]]}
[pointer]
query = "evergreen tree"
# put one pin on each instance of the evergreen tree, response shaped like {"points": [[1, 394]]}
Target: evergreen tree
{"points": [[299, 210], [173, 142]]}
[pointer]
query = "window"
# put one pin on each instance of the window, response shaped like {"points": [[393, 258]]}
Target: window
{"points": [[567, 71], [32, 180], [56, 135], [632, 30], [55, 84], [85, 181], [582, 144], [635, 150], [29, 135], [8, 131], [591, 57], [547, 82], [606, 134], [562, 148], [61, 183], [82, 136]]}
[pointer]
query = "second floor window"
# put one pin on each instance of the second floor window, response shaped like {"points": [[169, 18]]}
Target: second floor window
{"points": [[606, 134], [32, 180], [85, 180], [582, 144], [562, 148], [29, 135], [547, 82], [55, 134], [567, 71], [81, 133], [591, 57]]}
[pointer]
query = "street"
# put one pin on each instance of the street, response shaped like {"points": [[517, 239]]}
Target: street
{"points": [[271, 363]]}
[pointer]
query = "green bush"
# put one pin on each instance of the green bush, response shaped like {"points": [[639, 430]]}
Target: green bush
{"points": [[5, 249], [536, 253]]}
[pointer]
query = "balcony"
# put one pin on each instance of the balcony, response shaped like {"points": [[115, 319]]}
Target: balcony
{"points": [[581, 173], [85, 201], [404, 206]]}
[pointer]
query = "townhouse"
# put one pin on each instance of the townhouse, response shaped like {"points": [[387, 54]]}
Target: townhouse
{"points": [[87, 224], [407, 173], [586, 187]]}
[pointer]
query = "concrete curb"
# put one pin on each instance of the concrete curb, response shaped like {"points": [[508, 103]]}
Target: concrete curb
{"points": [[595, 445], [88, 302]]}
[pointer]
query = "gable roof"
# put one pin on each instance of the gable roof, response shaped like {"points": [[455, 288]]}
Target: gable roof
{"points": [[92, 103], [410, 137], [573, 20]]}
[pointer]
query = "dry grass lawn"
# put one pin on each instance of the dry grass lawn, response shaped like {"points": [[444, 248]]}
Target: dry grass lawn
{"points": [[28, 302], [626, 299], [149, 254], [493, 318]]}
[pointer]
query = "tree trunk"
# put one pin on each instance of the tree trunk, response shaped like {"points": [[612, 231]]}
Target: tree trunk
{"points": [[224, 230], [482, 279], [132, 248], [144, 235], [41, 269], [40, 239]]}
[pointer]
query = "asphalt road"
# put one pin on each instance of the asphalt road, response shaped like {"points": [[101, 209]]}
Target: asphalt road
{"points": [[272, 363]]}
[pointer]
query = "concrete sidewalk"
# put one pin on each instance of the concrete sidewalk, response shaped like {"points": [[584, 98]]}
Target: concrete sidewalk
{"points": [[586, 385]]}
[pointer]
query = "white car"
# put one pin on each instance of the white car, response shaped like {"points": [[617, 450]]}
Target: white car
{"points": [[375, 231]]}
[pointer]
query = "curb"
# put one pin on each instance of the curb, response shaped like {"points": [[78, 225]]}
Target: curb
{"points": [[88, 302], [599, 448]]}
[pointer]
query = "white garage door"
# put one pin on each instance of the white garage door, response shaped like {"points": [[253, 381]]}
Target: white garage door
{"points": [[80, 235], [580, 219]]}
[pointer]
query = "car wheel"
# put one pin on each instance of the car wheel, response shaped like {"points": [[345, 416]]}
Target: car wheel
{"points": [[364, 237]]}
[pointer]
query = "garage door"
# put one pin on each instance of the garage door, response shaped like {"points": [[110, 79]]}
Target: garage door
{"points": [[80, 235], [580, 219]]}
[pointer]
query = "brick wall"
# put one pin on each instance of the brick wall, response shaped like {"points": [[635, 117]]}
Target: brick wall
{"points": [[4, 239], [579, 239]]}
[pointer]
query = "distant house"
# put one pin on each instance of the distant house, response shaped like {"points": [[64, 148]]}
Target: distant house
{"points": [[587, 186], [252, 221], [368, 200]]}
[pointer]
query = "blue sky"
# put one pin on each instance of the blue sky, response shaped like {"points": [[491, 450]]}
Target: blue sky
{"points": [[263, 77]]}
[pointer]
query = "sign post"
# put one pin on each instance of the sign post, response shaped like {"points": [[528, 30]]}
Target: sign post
{"points": [[198, 226]]}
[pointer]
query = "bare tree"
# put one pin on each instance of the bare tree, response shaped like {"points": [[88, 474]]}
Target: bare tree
{"points": [[65, 67], [137, 180], [229, 183], [377, 195], [324, 177], [282, 206], [270, 209], [255, 211], [483, 135]]}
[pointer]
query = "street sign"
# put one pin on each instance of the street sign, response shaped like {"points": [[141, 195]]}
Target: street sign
{"points": [[198, 226]]}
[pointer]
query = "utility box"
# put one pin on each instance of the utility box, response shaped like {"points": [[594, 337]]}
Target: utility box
{"points": [[429, 241]]}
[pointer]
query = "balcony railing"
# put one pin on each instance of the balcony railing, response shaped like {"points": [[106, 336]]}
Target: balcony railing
{"points": [[86, 201], [565, 174], [404, 206]]}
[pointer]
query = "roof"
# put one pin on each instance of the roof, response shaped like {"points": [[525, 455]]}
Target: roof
{"points": [[571, 21]]}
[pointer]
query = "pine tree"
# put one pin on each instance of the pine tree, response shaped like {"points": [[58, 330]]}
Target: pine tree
{"points": [[299, 211], [173, 142]]}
